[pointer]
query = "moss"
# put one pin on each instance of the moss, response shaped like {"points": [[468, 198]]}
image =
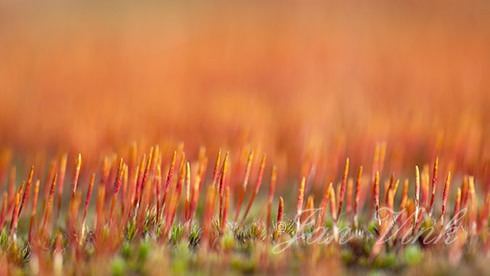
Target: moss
{"points": [[177, 233], [126, 250], [144, 250], [347, 257], [412, 255], [243, 265], [118, 266], [227, 241]]}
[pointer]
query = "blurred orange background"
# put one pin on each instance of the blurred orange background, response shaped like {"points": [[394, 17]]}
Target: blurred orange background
{"points": [[287, 77]]}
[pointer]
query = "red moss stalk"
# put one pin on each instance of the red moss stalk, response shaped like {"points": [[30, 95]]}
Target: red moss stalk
{"points": [[158, 180], [456, 208], [216, 170], [257, 187], [280, 211], [208, 215], [4, 209], [87, 199], [222, 184], [109, 183], [73, 200], [203, 163], [323, 205], [445, 196], [464, 192], [33, 210], [15, 217], [472, 198], [299, 205], [271, 197], [396, 187], [375, 168], [187, 193], [194, 198], [389, 187], [197, 188], [117, 186], [225, 210], [424, 188], [402, 208], [99, 210], [419, 221], [124, 189], [207, 218], [49, 179], [356, 201], [385, 229], [156, 160], [132, 193], [48, 207], [350, 184], [342, 187], [403, 201], [105, 173], [27, 190], [76, 176], [434, 184], [375, 162], [391, 204], [245, 183], [308, 214], [64, 159], [483, 221], [150, 189], [87, 203], [169, 178], [140, 173], [417, 193], [175, 198], [333, 212], [145, 175], [72, 220], [376, 196]]}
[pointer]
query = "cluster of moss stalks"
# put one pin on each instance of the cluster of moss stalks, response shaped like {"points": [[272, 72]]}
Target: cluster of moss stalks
{"points": [[154, 216]]}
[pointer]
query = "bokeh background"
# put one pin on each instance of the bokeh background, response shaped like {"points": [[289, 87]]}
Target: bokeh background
{"points": [[294, 79]]}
